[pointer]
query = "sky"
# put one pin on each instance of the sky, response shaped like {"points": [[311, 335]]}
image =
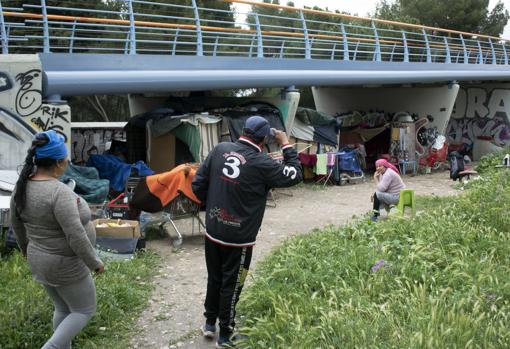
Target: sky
{"points": [[363, 7]]}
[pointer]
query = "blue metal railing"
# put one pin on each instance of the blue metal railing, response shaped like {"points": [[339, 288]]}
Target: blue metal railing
{"points": [[183, 28]]}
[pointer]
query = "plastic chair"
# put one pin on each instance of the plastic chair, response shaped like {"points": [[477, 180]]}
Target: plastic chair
{"points": [[406, 200]]}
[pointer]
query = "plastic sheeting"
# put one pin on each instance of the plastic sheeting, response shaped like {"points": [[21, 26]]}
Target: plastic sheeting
{"points": [[116, 171]]}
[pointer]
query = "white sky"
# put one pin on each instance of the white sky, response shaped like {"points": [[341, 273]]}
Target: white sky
{"points": [[362, 7]]}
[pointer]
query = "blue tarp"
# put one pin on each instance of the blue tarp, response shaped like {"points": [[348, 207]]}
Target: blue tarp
{"points": [[117, 172]]}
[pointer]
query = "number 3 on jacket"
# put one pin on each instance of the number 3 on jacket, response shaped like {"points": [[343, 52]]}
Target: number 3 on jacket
{"points": [[232, 167]]}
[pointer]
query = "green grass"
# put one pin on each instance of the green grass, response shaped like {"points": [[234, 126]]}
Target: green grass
{"points": [[26, 311], [445, 282]]}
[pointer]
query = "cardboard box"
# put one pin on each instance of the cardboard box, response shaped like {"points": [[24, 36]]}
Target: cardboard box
{"points": [[133, 231]]}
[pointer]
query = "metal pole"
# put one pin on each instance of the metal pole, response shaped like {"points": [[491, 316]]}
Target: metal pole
{"points": [[132, 30], [466, 57], [281, 49], [46, 32], [175, 42], [215, 45], [448, 58], [493, 52], [3, 32], [200, 47], [406, 48], [346, 44], [505, 56], [71, 42], [260, 44], [308, 46], [480, 53], [427, 45], [333, 51], [377, 53]]}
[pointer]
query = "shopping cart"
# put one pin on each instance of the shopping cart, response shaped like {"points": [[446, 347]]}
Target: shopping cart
{"points": [[348, 167]]}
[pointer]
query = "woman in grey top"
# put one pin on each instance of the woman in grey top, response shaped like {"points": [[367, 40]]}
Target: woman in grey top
{"points": [[388, 185], [54, 231]]}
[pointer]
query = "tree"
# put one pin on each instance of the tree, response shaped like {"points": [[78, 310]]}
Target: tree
{"points": [[463, 15]]}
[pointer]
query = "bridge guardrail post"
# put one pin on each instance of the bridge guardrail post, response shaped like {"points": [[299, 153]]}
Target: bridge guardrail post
{"points": [[308, 46], [345, 42], [427, 45], [480, 52], [132, 29], [71, 41], [493, 52], [505, 55], [406, 48], [3, 32], [260, 43], [200, 44], [448, 58], [377, 53], [466, 57], [174, 46], [46, 31]]}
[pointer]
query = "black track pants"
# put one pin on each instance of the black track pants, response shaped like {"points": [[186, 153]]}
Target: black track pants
{"points": [[227, 268], [377, 205]]}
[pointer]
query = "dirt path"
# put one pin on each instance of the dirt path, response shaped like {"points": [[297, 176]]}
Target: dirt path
{"points": [[175, 311]]}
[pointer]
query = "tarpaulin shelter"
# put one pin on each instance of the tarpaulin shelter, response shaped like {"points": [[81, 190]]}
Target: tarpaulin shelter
{"points": [[313, 126]]}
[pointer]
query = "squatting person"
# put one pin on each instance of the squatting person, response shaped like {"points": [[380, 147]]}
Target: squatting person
{"points": [[388, 185], [234, 182]]}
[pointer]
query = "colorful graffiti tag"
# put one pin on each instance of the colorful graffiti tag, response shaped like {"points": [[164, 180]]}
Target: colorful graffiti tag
{"points": [[480, 112]]}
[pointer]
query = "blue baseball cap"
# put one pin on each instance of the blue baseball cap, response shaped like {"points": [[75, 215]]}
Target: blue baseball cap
{"points": [[258, 126]]}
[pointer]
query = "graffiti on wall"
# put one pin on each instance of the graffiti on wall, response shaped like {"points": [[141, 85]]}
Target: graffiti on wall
{"points": [[86, 142], [52, 118], [16, 136], [480, 112]]}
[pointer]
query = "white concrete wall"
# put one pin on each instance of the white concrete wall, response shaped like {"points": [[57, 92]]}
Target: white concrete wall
{"points": [[21, 97], [435, 101]]}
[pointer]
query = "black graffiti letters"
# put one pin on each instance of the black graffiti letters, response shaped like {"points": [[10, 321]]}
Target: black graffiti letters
{"points": [[53, 118], [5, 82], [28, 98]]}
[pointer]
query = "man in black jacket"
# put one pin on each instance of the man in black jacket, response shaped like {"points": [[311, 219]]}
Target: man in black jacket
{"points": [[234, 182]]}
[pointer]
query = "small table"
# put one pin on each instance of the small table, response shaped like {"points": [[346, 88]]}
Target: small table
{"points": [[404, 165]]}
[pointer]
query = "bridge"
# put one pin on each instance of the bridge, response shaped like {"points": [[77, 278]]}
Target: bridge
{"points": [[141, 47]]}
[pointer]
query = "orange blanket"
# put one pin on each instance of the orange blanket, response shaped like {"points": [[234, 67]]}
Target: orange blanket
{"points": [[167, 186]]}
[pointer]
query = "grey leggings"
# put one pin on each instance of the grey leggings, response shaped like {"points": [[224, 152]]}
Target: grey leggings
{"points": [[74, 306]]}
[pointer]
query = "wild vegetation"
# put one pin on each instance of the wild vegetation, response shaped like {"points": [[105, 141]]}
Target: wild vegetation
{"points": [[439, 280], [26, 311]]}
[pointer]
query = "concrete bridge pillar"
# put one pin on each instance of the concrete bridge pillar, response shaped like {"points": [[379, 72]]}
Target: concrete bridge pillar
{"points": [[23, 110], [480, 120]]}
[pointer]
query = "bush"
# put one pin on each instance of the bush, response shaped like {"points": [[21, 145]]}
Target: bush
{"points": [[26, 311], [440, 280]]}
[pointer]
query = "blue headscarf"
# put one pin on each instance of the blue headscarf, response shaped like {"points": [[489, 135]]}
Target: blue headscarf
{"points": [[55, 149]]}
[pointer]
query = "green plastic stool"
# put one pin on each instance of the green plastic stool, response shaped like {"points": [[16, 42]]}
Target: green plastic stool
{"points": [[406, 200]]}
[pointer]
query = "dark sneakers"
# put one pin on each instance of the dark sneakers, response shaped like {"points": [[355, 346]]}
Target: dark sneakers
{"points": [[224, 342], [208, 331]]}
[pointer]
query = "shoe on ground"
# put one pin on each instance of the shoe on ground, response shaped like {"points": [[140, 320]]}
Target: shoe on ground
{"points": [[208, 331], [224, 342], [373, 219]]}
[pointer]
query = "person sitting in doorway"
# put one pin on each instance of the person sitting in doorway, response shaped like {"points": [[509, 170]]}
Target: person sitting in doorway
{"points": [[388, 185]]}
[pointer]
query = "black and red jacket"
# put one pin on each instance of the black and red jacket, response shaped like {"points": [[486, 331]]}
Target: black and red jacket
{"points": [[234, 182]]}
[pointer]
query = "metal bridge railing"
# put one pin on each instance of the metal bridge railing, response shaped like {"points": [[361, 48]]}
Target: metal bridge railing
{"points": [[267, 31]]}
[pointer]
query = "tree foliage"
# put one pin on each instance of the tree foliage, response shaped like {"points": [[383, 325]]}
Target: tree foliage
{"points": [[471, 16]]}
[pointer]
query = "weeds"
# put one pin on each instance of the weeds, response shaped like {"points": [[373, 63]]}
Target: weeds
{"points": [[439, 280], [26, 310]]}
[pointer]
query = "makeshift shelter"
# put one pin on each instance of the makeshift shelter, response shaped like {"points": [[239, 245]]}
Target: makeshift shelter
{"points": [[190, 137]]}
